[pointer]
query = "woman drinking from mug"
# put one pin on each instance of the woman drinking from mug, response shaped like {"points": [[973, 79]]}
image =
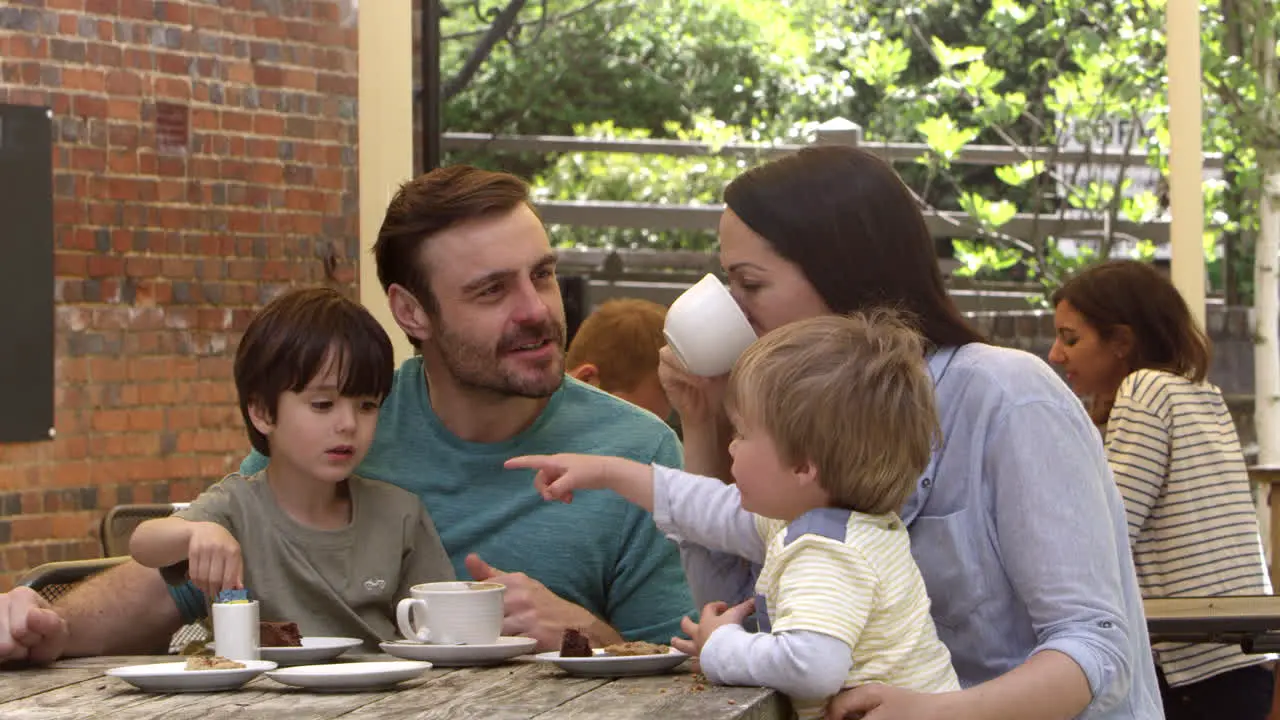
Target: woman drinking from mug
{"points": [[1016, 526], [1127, 341]]}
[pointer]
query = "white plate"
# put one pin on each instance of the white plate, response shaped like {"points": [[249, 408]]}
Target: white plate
{"points": [[601, 665], [313, 650], [172, 677], [461, 655], [351, 676]]}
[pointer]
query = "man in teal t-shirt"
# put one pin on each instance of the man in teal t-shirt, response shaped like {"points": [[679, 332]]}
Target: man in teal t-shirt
{"points": [[470, 277]]}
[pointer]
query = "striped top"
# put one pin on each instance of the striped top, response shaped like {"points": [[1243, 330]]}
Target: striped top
{"points": [[851, 576], [1175, 454]]}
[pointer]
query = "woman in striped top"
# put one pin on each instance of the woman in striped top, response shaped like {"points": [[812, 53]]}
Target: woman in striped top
{"points": [[1127, 341]]}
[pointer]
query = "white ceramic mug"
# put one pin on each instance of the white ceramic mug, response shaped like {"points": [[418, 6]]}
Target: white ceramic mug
{"points": [[706, 329], [235, 630], [449, 613]]}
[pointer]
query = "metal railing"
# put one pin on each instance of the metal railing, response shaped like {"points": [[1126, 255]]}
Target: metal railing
{"points": [[942, 224]]}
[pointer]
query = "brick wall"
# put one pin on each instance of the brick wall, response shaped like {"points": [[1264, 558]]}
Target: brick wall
{"points": [[164, 248]]}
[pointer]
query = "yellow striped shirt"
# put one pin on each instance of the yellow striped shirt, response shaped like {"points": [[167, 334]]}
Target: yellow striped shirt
{"points": [[863, 589]]}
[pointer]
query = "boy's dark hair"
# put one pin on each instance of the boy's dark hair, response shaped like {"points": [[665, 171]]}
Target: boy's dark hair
{"points": [[295, 337]]}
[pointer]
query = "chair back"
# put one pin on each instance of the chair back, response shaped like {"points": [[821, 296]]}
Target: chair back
{"points": [[122, 520], [118, 527]]}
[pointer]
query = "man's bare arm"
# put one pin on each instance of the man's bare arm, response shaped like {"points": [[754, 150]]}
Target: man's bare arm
{"points": [[126, 610]]}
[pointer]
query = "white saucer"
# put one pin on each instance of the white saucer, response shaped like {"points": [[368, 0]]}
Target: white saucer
{"points": [[602, 665], [351, 676], [173, 677], [313, 650], [461, 655]]}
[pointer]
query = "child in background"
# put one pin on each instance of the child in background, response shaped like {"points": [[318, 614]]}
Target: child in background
{"points": [[616, 349], [835, 421], [314, 544]]}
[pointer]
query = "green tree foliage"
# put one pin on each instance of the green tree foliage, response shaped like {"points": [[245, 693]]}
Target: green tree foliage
{"points": [[1045, 77], [652, 66]]}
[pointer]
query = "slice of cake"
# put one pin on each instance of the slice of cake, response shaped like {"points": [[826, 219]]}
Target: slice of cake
{"points": [[212, 662], [279, 634], [574, 644]]}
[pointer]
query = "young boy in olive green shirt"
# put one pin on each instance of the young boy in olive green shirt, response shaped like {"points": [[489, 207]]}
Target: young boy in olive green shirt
{"points": [[313, 543]]}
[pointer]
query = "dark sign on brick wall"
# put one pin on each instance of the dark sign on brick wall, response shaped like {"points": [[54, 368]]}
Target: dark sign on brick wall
{"points": [[26, 273]]}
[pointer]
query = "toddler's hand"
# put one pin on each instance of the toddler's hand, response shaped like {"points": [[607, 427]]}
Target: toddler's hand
{"points": [[214, 559], [559, 475], [714, 615]]}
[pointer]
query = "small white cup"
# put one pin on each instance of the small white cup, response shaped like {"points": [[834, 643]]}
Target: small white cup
{"points": [[449, 613], [706, 329], [235, 630]]}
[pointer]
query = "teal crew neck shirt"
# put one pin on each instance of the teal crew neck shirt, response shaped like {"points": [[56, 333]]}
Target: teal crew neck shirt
{"points": [[600, 552]]}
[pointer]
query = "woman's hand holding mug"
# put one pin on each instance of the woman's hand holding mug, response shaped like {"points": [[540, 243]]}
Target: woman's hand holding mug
{"points": [[706, 331], [697, 399]]}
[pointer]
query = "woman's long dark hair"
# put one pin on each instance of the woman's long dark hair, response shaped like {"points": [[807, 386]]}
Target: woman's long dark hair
{"points": [[845, 217], [1134, 294]]}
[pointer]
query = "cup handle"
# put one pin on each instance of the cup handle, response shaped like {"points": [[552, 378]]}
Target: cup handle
{"points": [[404, 619]]}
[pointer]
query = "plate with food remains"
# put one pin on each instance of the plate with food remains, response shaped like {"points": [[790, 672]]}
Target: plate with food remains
{"points": [[283, 644], [629, 659], [197, 674]]}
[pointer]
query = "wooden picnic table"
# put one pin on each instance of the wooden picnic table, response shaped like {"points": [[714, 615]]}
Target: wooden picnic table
{"points": [[79, 689], [1253, 621]]}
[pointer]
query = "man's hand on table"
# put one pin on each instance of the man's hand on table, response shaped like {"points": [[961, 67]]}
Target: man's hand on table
{"points": [[30, 630], [531, 610]]}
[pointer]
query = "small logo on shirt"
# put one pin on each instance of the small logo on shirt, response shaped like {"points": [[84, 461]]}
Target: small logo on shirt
{"points": [[375, 584]]}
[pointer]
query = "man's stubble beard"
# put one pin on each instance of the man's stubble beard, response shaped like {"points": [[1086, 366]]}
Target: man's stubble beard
{"points": [[479, 368]]}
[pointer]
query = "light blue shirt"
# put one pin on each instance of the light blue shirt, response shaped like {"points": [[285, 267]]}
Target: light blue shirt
{"points": [[1019, 532]]}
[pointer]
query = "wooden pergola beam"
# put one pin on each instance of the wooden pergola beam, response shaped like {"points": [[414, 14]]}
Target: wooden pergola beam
{"points": [[1186, 161], [385, 138]]}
